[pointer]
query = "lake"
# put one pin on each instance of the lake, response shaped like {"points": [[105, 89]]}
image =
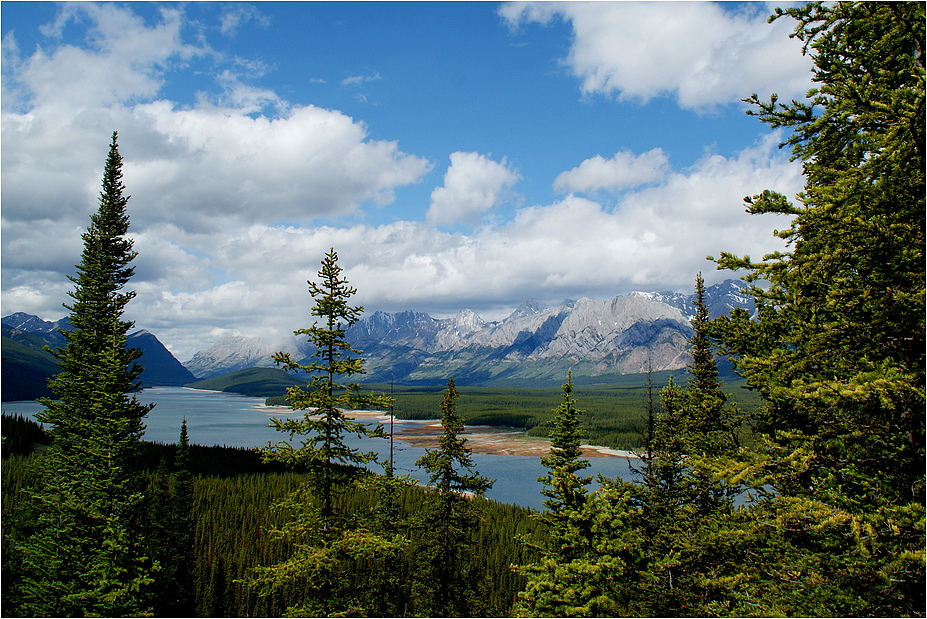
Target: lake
{"points": [[215, 418]]}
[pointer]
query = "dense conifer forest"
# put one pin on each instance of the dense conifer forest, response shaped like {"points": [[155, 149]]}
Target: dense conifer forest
{"points": [[811, 503], [229, 518]]}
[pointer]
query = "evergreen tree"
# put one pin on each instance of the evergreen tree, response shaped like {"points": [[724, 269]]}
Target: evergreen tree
{"points": [[681, 501], [87, 556], [324, 452], [325, 542], [546, 593], [177, 598], [452, 520], [838, 349], [649, 547], [564, 489], [700, 419]]}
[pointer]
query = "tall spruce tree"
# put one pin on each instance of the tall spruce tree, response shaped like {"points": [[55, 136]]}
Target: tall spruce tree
{"points": [[448, 588], [326, 543], [837, 351], [324, 452], [564, 489], [681, 499], [87, 556], [548, 590]]}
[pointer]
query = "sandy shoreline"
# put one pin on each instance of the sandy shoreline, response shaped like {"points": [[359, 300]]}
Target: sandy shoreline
{"points": [[480, 439], [486, 440]]}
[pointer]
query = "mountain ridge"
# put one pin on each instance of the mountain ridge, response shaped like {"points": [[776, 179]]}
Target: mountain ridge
{"points": [[27, 366], [625, 334]]}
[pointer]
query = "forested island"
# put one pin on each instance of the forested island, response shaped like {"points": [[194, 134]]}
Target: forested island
{"points": [[810, 505]]}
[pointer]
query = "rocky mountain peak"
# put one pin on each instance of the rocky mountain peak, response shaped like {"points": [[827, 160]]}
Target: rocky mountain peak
{"points": [[592, 336], [230, 354], [22, 321], [467, 321], [527, 308], [160, 366]]}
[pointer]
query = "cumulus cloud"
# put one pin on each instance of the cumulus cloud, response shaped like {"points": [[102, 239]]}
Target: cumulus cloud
{"points": [[230, 193], [224, 161], [655, 237], [201, 174], [624, 170], [701, 53], [473, 184], [123, 59]]}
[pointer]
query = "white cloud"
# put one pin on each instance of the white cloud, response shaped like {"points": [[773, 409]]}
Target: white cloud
{"points": [[701, 53], [656, 237], [357, 80], [223, 162], [228, 192], [123, 59], [238, 15], [220, 168], [473, 184], [623, 171]]}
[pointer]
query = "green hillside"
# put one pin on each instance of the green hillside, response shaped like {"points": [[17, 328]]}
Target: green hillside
{"points": [[254, 382], [25, 371]]}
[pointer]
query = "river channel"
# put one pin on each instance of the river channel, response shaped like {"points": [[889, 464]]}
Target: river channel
{"points": [[215, 418]]}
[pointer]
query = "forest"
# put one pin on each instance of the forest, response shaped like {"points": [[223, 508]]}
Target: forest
{"points": [[808, 501]]}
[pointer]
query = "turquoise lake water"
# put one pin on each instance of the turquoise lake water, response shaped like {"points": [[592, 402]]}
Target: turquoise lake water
{"points": [[239, 421]]}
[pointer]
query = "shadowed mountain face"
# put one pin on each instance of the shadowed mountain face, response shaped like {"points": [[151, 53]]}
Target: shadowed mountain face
{"points": [[590, 337], [27, 366]]}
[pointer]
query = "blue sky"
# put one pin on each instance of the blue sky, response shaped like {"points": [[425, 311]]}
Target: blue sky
{"points": [[456, 155]]}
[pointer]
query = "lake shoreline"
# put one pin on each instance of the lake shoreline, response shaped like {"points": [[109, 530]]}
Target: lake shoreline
{"points": [[480, 439], [485, 439]]}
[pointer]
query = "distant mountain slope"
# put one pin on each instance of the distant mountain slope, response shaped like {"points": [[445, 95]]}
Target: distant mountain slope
{"points": [[27, 367], [535, 343], [255, 382], [24, 371], [230, 354], [161, 368]]}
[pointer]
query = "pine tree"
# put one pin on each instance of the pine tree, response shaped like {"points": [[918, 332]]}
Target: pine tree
{"points": [[87, 556], [681, 500], [324, 452], [181, 601], [838, 350], [325, 542], [565, 490], [546, 591], [452, 519], [709, 422]]}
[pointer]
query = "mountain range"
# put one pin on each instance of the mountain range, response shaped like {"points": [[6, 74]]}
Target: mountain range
{"points": [[26, 365], [593, 338], [535, 344]]}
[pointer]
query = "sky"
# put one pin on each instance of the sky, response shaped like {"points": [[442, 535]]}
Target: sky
{"points": [[455, 155]]}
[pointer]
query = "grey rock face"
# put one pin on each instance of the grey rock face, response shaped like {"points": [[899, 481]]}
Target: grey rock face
{"points": [[591, 337], [230, 354]]}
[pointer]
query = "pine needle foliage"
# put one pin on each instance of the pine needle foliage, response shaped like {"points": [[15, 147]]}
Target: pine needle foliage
{"points": [[647, 547], [324, 426], [325, 543], [838, 349], [86, 555], [448, 587], [551, 589], [564, 489]]}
